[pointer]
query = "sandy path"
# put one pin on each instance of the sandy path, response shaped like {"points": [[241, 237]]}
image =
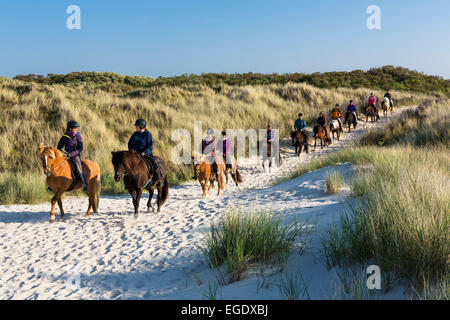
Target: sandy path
{"points": [[113, 255]]}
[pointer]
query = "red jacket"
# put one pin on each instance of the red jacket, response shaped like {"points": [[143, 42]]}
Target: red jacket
{"points": [[371, 100]]}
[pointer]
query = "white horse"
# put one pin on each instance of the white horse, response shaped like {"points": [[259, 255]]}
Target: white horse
{"points": [[386, 105]]}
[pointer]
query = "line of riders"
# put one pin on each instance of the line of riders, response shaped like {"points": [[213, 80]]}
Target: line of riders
{"points": [[335, 114], [141, 140]]}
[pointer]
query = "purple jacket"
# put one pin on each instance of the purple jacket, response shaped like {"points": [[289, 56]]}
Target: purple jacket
{"points": [[71, 143], [223, 146]]}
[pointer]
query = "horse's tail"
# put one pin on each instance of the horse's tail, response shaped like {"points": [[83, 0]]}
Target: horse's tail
{"points": [[97, 188], [165, 191], [238, 176]]}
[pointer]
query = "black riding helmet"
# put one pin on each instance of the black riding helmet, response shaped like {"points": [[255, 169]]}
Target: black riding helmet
{"points": [[141, 123], [72, 124]]}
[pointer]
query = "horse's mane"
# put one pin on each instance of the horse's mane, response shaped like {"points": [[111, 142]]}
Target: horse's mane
{"points": [[58, 153], [128, 157]]}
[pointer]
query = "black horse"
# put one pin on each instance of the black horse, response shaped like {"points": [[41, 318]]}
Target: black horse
{"points": [[132, 169]]}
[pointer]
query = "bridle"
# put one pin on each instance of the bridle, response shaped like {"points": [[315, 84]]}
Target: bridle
{"points": [[51, 168]]}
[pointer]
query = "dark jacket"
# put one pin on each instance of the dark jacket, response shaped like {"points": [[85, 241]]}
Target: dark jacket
{"points": [[299, 124], [72, 144], [141, 142], [321, 121], [388, 94]]}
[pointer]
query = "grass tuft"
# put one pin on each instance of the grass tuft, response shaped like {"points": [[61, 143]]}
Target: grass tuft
{"points": [[240, 240]]}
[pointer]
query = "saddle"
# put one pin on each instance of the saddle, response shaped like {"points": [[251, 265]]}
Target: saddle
{"points": [[150, 169], [74, 172]]}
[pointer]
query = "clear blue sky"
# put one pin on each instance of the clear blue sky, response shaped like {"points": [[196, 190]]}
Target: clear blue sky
{"points": [[163, 38]]}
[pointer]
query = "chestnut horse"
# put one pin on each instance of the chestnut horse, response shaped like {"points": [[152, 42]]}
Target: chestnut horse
{"points": [[130, 167], [59, 178], [300, 141], [319, 134], [202, 168]]}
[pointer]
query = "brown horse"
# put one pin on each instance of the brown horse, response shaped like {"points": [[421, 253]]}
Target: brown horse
{"points": [[350, 119], [202, 168], [372, 112], [319, 134], [335, 128], [59, 179], [300, 141], [131, 168]]}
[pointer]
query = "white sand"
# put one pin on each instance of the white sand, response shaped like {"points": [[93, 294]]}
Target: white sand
{"points": [[111, 255]]}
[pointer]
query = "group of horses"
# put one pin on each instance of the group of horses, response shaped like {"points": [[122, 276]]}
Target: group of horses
{"points": [[300, 139], [132, 169]]}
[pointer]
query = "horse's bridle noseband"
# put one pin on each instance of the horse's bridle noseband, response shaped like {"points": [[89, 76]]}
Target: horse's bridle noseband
{"points": [[51, 168]]}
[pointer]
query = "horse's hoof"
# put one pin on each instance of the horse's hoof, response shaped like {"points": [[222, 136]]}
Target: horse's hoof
{"points": [[52, 219], [136, 215], [150, 209]]}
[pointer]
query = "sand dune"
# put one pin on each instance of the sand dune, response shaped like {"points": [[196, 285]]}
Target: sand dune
{"points": [[111, 255]]}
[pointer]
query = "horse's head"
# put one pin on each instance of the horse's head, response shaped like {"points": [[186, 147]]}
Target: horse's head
{"points": [[120, 170], [47, 155]]}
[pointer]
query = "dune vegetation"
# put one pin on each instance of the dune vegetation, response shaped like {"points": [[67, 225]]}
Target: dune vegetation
{"points": [[31, 113], [401, 219]]}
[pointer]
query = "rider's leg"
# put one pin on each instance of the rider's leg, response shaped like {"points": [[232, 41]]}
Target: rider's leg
{"points": [[340, 124], [77, 161], [156, 175]]}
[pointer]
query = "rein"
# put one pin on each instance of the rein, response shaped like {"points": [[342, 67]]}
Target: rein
{"points": [[51, 167]]}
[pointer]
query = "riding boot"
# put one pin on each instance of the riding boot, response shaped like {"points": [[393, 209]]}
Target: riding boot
{"points": [[156, 169]]}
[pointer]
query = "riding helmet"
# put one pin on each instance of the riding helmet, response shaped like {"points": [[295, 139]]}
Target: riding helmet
{"points": [[141, 123], [72, 124], [210, 131]]}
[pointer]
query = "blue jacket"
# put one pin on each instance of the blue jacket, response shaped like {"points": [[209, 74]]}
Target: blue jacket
{"points": [[71, 143], [141, 142], [351, 108], [299, 124]]}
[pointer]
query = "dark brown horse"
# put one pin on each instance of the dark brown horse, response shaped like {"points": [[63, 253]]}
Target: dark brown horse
{"points": [[130, 167], [350, 119], [319, 134], [300, 141], [372, 112]]}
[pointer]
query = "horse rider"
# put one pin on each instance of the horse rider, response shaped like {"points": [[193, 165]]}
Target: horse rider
{"points": [[269, 134], [335, 114], [300, 125], [350, 108], [141, 142], [389, 96], [209, 150], [223, 147], [72, 143], [371, 102], [322, 122]]}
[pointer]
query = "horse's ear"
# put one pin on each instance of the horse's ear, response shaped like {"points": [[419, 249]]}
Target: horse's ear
{"points": [[41, 147]]}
